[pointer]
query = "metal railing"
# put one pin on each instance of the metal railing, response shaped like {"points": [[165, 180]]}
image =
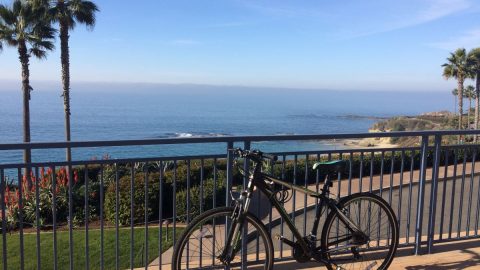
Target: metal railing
{"points": [[91, 214]]}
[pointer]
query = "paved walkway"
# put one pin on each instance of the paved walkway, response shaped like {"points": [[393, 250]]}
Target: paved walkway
{"points": [[452, 256]]}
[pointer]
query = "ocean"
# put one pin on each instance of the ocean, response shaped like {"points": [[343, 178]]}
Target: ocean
{"points": [[109, 112]]}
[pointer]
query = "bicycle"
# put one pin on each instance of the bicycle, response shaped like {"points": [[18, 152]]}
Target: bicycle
{"points": [[360, 230]]}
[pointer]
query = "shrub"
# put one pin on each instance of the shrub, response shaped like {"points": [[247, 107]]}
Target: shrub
{"points": [[45, 199], [194, 196], [124, 195]]}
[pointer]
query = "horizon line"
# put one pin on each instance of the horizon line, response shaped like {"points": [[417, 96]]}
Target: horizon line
{"points": [[193, 84]]}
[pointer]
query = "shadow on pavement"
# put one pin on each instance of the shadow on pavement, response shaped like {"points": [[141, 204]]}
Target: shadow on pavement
{"points": [[461, 246], [474, 260]]}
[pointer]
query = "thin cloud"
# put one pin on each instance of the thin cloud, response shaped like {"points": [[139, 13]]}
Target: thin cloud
{"points": [[468, 39], [441, 8], [358, 25], [435, 10]]}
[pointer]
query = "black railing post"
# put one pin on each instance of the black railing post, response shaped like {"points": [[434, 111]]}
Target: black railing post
{"points": [[229, 173], [421, 194], [228, 186], [433, 194], [246, 169]]}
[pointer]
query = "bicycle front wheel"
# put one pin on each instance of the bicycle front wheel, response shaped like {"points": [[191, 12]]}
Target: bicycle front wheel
{"points": [[204, 240], [376, 219]]}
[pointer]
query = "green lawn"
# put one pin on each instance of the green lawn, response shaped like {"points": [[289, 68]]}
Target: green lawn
{"points": [[46, 248]]}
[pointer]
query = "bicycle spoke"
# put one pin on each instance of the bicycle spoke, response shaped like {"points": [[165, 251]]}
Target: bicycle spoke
{"points": [[351, 250], [205, 243]]}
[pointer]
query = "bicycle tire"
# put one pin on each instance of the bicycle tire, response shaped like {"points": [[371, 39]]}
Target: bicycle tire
{"points": [[197, 226], [339, 258]]}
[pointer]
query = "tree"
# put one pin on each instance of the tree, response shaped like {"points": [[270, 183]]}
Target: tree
{"points": [[457, 67], [25, 27], [68, 13], [469, 93], [474, 60], [455, 95]]}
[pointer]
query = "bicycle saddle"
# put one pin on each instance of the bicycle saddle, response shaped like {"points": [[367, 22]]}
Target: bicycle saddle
{"points": [[333, 166]]}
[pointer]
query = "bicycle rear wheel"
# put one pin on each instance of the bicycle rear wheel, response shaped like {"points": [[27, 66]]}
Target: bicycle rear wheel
{"points": [[203, 242], [376, 220]]}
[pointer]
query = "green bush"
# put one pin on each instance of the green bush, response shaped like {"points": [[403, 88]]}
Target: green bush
{"points": [[124, 195], [193, 195]]}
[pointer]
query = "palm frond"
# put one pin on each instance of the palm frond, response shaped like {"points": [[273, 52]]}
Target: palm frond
{"points": [[474, 61], [7, 35], [474, 53], [70, 12], [44, 45], [457, 65], [59, 13], [449, 71], [27, 22], [44, 30], [84, 11], [6, 16], [17, 7], [38, 52]]}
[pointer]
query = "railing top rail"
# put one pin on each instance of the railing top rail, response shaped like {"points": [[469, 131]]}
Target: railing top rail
{"points": [[227, 139], [345, 151], [106, 161], [193, 157]]}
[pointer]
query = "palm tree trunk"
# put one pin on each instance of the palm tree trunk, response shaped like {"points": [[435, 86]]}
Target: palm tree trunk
{"points": [[455, 105], [469, 109], [477, 102], [24, 61], [65, 59], [460, 103]]}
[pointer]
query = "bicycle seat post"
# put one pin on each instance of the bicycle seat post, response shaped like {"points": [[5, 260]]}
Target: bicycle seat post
{"points": [[327, 184]]}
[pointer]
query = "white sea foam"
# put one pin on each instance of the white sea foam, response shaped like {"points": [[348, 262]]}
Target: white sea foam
{"points": [[183, 135]]}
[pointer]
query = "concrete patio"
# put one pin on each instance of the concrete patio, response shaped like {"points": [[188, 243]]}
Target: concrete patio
{"points": [[453, 255], [456, 255]]}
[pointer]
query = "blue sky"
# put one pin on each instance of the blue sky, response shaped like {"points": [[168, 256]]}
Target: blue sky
{"points": [[349, 44]]}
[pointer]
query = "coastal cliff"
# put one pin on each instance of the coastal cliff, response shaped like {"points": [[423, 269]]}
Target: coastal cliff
{"points": [[443, 120]]}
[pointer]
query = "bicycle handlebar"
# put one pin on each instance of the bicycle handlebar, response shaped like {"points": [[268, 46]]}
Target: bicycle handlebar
{"points": [[256, 155]]}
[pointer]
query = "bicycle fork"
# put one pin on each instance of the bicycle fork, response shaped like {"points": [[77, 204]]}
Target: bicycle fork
{"points": [[235, 229]]}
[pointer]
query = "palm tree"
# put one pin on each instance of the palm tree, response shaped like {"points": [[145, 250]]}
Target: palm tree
{"points": [[455, 95], [68, 13], [474, 57], [469, 92], [457, 67], [26, 28]]}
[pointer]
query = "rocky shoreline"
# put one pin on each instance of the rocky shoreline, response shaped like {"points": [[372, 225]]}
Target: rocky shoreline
{"points": [[442, 120]]}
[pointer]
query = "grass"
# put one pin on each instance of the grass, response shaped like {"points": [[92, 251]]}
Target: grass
{"points": [[46, 248]]}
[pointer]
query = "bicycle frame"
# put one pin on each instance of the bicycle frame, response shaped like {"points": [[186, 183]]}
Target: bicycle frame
{"points": [[259, 180]]}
